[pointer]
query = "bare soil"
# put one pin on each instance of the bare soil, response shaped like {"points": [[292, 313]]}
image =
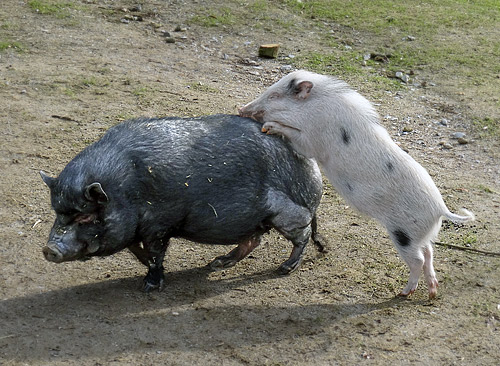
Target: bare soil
{"points": [[80, 73]]}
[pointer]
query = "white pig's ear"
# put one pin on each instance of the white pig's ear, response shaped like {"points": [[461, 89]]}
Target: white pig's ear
{"points": [[95, 193], [303, 89]]}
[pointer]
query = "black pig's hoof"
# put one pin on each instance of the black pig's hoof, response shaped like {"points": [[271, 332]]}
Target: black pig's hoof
{"points": [[289, 267], [149, 286], [154, 280], [223, 262]]}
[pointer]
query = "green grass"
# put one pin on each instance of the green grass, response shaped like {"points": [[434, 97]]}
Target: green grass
{"points": [[56, 8], [487, 127], [203, 88], [437, 25], [215, 18], [5, 45]]}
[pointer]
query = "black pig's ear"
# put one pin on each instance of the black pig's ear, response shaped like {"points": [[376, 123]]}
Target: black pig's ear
{"points": [[303, 89], [49, 181], [95, 193]]}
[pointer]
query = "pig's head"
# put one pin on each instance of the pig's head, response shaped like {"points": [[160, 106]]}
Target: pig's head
{"points": [[282, 100], [81, 228]]}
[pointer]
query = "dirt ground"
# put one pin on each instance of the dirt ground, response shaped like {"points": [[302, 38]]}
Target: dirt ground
{"points": [[82, 71]]}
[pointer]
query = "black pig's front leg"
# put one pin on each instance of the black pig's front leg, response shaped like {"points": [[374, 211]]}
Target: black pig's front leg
{"points": [[152, 255]]}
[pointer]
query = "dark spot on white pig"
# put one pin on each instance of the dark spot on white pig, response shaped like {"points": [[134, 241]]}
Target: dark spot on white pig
{"points": [[402, 238], [345, 136], [390, 166], [349, 187]]}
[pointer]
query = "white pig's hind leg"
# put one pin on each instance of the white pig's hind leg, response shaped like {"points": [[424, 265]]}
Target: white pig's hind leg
{"points": [[418, 255], [415, 261], [430, 275]]}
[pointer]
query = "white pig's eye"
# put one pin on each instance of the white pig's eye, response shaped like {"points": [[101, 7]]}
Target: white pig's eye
{"points": [[273, 96]]}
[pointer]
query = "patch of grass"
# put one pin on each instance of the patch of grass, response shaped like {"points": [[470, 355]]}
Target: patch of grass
{"points": [[486, 189], [215, 18], [348, 65], [141, 91], [487, 127], [259, 6], [452, 37], [55, 8], [469, 239], [203, 88], [92, 81], [5, 45]]}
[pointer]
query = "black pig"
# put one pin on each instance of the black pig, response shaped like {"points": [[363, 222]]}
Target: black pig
{"points": [[214, 180]]}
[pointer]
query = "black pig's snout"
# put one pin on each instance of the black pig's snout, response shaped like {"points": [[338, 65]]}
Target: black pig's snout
{"points": [[52, 253]]}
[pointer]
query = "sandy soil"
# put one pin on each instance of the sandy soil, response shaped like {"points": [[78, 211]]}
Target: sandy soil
{"points": [[82, 72]]}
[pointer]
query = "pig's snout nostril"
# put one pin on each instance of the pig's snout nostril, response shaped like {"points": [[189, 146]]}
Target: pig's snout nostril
{"points": [[52, 254]]}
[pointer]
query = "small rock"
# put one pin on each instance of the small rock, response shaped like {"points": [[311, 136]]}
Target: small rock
{"points": [[407, 129], [170, 40], [136, 8], [457, 135], [286, 68], [462, 141], [165, 33], [378, 57], [445, 145], [180, 29], [269, 50], [135, 18], [409, 38], [402, 76], [444, 122]]}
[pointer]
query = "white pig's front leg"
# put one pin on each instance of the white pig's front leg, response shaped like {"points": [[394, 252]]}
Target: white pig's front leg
{"points": [[276, 128], [294, 135]]}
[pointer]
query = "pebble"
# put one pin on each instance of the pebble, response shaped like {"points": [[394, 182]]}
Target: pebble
{"points": [[402, 76], [444, 122], [165, 33], [462, 141], [180, 29], [136, 8], [170, 40], [445, 145], [286, 68], [407, 129], [458, 135]]}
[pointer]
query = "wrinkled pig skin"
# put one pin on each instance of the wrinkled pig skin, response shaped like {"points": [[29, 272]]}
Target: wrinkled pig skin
{"points": [[214, 180]]}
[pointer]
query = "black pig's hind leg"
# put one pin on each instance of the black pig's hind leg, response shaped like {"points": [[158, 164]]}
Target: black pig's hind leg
{"points": [[294, 222], [237, 254]]}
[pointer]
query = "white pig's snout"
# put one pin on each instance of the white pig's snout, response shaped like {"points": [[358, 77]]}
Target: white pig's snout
{"points": [[256, 115]]}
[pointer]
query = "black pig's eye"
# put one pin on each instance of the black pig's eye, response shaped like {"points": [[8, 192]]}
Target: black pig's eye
{"points": [[85, 218]]}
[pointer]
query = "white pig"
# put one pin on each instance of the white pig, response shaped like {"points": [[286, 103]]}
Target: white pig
{"points": [[325, 119]]}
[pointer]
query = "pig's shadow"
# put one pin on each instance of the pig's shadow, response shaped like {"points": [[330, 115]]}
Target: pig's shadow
{"points": [[87, 321]]}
